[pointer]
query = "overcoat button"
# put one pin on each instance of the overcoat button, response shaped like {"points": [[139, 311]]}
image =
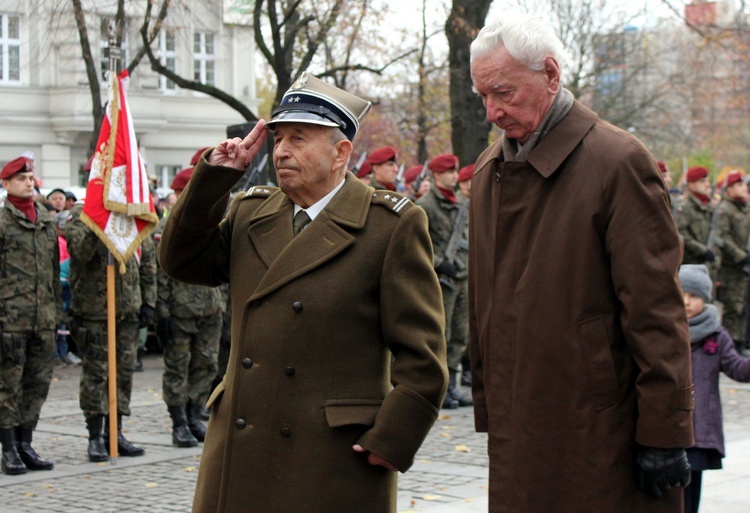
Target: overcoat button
{"points": [[286, 432], [247, 363], [297, 306], [289, 371], [240, 423]]}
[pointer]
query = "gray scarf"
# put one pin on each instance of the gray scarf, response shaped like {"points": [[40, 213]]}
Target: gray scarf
{"points": [[704, 324], [515, 152]]}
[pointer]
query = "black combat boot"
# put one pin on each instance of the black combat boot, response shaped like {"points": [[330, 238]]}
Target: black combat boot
{"points": [[12, 463], [139, 360], [194, 421], [124, 446], [449, 403], [28, 455], [181, 435], [97, 448], [455, 393], [465, 371]]}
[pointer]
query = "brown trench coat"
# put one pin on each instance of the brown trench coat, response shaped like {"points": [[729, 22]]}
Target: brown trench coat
{"points": [[315, 320], [578, 331]]}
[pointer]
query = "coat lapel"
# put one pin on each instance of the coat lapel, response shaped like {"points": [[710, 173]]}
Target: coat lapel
{"points": [[287, 257]]}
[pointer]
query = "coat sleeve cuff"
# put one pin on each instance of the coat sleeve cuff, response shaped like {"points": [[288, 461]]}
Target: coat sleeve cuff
{"points": [[400, 427], [667, 424]]}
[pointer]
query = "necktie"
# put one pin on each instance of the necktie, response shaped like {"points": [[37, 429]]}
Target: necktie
{"points": [[301, 219]]}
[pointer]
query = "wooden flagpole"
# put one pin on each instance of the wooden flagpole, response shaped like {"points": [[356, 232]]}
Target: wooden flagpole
{"points": [[114, 67]]}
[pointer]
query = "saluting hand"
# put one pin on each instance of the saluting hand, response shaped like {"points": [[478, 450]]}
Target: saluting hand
{"points": [[239, 153]]}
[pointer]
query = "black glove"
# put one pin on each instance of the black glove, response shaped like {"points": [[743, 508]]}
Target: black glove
{"points": [[658, 470], [145, 316], [164, 330], [709, 256], [447, 268]]}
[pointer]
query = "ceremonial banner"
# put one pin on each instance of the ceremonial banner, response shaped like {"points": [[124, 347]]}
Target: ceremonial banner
{"points": [[118, 204]]}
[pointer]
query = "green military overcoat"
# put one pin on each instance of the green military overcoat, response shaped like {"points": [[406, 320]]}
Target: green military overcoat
{"points": [[579, 336], [316, 321]]}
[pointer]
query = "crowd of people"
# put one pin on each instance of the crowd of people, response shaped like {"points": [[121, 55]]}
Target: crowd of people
{"points": [[360, 306], [55, 270]]}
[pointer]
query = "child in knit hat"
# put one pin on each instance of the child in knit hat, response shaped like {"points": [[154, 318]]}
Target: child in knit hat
{"points": [[712, 352]]}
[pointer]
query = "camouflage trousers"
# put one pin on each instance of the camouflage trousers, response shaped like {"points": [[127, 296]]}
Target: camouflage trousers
{"points": [[26, 362], [91, 337], [733, 294], [190, 359], [456, 307]]}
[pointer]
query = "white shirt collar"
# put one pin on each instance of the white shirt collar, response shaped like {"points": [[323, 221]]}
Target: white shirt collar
{"points": [[317, 207]]}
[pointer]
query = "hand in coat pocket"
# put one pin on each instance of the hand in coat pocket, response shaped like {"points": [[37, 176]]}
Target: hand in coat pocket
{"points": [[374, 459]]}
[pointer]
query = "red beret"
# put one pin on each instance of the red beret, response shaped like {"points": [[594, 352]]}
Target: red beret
{"points": [[16, 166], [382, 155], [444, 162], [466, 173], [181, 179], [696, 173], [733, 177], [662, 166], [412, 173], [198, 155], [364, 170]]}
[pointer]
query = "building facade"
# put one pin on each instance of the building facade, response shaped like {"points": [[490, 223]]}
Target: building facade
{"points": [[45, 99]]}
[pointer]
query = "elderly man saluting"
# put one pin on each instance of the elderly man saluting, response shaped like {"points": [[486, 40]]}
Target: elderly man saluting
{"points": [[579, 339], [336, 371]]}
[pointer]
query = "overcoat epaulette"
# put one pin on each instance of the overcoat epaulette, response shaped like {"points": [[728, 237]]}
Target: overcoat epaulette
{"points": [[392, 201], [259, 191]]}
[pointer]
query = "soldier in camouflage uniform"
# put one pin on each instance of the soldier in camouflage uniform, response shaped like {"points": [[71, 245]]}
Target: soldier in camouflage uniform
{"points": [[189, 327], [442, 207], [383, 168], [30, 310], [733, 230], [135, 296], [463, 193], [694, 218]]}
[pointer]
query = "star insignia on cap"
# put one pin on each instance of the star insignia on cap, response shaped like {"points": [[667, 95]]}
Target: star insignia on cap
{"points": [[294, 100]]}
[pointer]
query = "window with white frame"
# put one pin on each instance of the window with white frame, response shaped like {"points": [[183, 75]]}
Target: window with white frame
{"points": [[10, 43], [104, 46], [167, 58], [166, 173], [204, 58]]}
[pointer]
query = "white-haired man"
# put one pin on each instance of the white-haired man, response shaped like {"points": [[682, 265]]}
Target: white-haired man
{"points": [[580, 349]]}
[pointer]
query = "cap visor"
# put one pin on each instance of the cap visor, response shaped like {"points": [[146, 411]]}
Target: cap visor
{"points": [[300, 116]]}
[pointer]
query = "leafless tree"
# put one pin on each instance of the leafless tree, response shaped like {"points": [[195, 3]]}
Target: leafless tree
{"points": [[470, 129]]}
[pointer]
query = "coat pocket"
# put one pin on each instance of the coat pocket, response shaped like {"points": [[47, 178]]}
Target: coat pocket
{"points": [[597, 357], [346, 412]]}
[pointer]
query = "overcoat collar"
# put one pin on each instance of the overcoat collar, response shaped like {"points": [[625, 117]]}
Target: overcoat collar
{"points": [[554, 148], [287, 258]]}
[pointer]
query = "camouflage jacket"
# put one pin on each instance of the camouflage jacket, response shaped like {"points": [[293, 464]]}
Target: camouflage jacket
{"points": [[30, 290], [733, 230], [184, 300], [441, 215], [88, 274], [694, 224]]}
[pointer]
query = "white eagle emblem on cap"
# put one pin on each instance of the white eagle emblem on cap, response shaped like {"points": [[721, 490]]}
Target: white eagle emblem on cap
{"points": [[300, 82]]}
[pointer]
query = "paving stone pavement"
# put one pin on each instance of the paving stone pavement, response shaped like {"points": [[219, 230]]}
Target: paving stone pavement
{"points": [[449, 475]]}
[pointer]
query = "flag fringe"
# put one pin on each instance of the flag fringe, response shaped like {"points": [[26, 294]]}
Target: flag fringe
{"points": [[121, 258]]}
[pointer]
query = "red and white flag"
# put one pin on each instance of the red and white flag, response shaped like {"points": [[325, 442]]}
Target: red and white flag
{"points": [[118, 204]]}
